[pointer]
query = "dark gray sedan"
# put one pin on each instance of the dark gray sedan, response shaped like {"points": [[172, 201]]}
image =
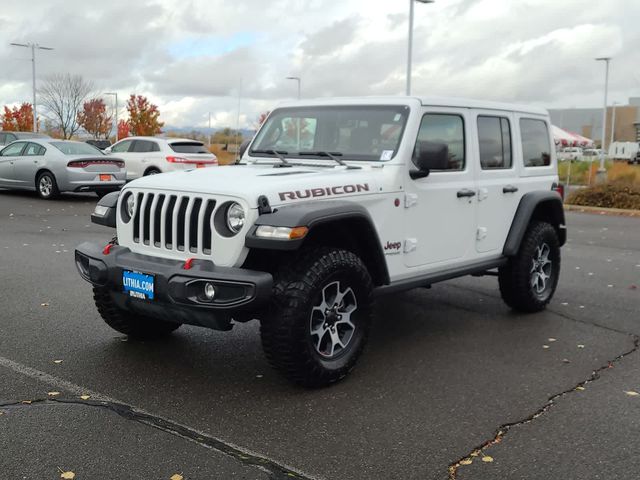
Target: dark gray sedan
{"points": [[51, 166]]}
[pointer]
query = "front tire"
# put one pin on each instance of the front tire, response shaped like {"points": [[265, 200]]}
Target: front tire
{"points": [[46, 186], [136, 326], [529, 280], [320, 317]]}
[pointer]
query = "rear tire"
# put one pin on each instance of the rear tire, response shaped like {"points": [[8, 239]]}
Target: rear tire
{"points": [[136, 326], [46, 186], [529, 280], [320, 317]]}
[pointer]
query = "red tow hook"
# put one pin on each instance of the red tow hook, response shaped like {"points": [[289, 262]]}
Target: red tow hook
{"points": [[188, 264], [107, 249]]}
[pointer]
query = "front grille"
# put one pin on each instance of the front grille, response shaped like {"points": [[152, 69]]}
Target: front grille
{"points": [[173, 222]]}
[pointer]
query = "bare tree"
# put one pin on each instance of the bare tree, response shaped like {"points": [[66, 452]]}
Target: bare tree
{"points": [[62, 96]]}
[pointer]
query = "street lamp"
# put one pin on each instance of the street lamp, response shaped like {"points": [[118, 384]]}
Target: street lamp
{"points": [[410, 46], [33, 47], [297, 79], [602, 173], [115, 94]]}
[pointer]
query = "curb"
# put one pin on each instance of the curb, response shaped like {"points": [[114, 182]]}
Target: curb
{"points": [[602, 211]]}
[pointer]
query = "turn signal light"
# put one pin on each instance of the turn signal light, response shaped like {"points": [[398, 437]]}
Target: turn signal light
{"points": [[281, 233]]}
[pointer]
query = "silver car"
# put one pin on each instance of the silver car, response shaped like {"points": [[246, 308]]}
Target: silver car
{"points": [[51, 166]]}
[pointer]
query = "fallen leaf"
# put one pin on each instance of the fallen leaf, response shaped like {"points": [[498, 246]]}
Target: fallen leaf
{"points": [[566, 360], [610, 286], [580, 388], [176, 476], [467, 461], [26, 402], [487, 459], [552, 339], [580, 346], [564, 304], [85, 397], [53, 394], [632, 393], [44, 304], [545, 346], [57, 361], [259, 376], [581, 306], [475, 454], [67, 475]]}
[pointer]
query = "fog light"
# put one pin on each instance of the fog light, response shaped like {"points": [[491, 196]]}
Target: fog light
{"points": [[209, 291]]}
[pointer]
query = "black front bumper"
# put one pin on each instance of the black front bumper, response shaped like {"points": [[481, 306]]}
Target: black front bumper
{"points": [[178, 293]]}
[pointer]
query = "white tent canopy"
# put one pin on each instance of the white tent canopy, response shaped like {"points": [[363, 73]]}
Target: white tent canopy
{"points": [[564, 138]]}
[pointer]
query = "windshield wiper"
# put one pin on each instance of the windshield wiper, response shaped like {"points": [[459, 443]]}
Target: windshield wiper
{"points": [[332, 155], [279, 154]]}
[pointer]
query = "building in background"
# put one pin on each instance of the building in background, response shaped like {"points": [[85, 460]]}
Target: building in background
{"points": [[588, 122]]}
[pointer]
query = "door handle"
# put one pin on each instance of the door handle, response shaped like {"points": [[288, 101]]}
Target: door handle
{"points": [[509, 189], [465, 192]]}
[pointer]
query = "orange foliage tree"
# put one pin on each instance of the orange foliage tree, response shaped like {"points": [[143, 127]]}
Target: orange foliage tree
{"points": [[143, 116], [123, 129], [18, 119], [94, 119]]}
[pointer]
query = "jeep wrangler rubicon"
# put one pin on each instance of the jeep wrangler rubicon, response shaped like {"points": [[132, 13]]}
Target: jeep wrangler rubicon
{"points": [[333, 203]]}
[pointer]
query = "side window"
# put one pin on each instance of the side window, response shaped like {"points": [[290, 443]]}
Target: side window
{"points": [[13, 150], [3, 138], [122, 146], [34, 149], [536, 148], [494, 137], [447, 129], [144, 146], [11, 137]]}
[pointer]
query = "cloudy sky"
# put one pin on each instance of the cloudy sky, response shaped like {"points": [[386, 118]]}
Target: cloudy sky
{"points": [[192, 57]]}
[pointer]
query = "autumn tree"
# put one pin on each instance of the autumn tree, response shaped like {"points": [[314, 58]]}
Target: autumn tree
{"points": [[143, 116], [18, 119], [94, 118], [123, 129], [62, 97]]}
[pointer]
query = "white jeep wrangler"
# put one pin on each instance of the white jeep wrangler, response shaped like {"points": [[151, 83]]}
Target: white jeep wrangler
{"points": [[333, 203]]}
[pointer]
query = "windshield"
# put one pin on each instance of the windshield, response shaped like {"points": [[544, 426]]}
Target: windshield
{"points": [[353, 132], [76, 148]]}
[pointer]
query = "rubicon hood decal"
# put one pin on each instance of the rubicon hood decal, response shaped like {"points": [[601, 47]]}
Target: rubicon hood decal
{"points": [[324, 191]]}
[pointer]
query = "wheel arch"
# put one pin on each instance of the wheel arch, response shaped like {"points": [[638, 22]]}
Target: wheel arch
{"points": [[40, 171], [149, 168], [539, 205], [340, 224]]}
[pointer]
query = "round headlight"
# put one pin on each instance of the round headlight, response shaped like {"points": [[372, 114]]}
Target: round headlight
{"points": [[131, 205], [235, 217]]}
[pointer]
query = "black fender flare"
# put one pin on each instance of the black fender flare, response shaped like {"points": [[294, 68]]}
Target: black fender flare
{"points": [[321, 213], [541, 205], [110, 202]]}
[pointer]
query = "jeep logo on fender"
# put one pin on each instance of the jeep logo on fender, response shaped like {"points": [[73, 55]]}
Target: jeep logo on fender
{"points": [[392, 247], [324, 191]]}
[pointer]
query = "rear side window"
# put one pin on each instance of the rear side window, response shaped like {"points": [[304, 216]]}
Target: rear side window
{"points": [[144, 146], [188, 147], [34, 149], [494, 136], [536, 147], [447, 129]]}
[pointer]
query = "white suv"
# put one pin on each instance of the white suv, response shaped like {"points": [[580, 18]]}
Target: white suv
{"points": [[334, 203], [151, 155]]}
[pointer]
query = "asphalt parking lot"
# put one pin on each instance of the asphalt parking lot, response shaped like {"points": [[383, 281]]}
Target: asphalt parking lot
{"points": [[452, 385]]}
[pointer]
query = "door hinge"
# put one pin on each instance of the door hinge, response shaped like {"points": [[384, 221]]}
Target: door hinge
{"points": [[410, 199], [410, 244], [482, 233]]}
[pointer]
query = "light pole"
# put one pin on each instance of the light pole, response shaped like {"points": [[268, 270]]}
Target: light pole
{"points": [[115, 94], [297, 79], [602, 172], [410, 46], [613, 123], [33, 47]]}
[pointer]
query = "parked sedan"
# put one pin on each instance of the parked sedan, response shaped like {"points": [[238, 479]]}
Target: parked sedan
{"points": [[51, 166], [151, 155]]}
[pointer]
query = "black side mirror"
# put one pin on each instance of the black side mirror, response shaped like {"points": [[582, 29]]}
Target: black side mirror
{"points": [[243, 148], [429, 156]]}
